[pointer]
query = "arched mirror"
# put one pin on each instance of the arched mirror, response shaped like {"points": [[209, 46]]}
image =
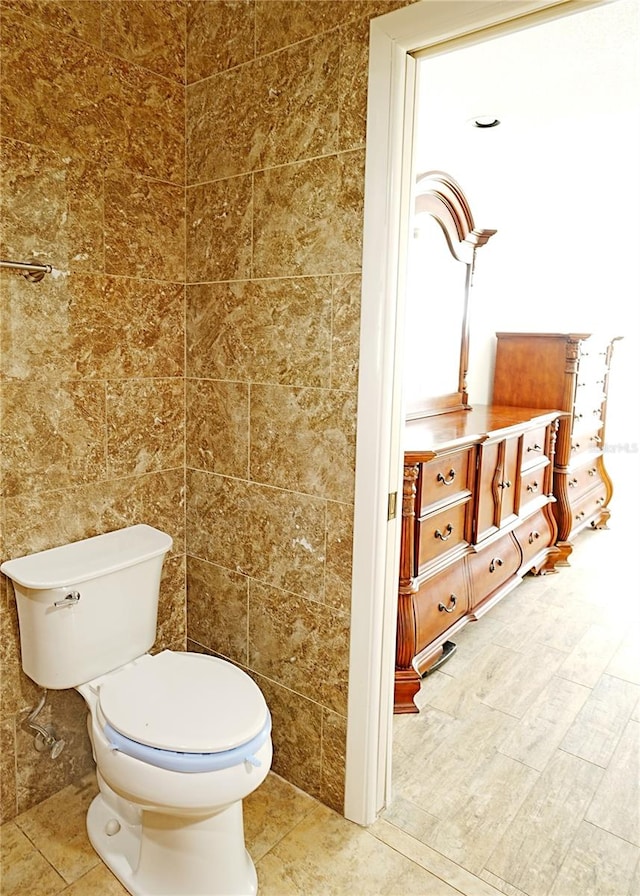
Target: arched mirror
{"points": [[441, 261]]}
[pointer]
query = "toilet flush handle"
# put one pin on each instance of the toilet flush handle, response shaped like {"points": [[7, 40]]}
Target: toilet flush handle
{"points": [[70, 600]]}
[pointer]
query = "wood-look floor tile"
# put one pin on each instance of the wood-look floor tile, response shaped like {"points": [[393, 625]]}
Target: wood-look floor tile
{"points": [[589, 658], [601, 721], [616, 805], [97, 882], [539, 732], [597, 864], [538, 838], [626, 662]]}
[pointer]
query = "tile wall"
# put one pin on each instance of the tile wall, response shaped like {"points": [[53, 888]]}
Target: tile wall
{"points": [[202, 322]]}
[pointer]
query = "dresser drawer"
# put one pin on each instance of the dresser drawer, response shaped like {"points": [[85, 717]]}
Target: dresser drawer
{"points": [[442, 532], [589, 505], [532, 487], [493, 566], [533, 536], [533, 446], [445, 478], [440, 602], [589, 439], [581, 479]]}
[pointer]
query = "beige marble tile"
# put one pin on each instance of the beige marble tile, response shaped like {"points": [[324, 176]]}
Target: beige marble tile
{"points": [[598, 726], [616, 804], [144, 228], [265, 331], [24, 869], [271, 812], [337, 591], [597, 864], [86, 326], [280, 23], [8, 802], [271, 111], [172, 608], [38, 776], [217, 523], [296, 735], [217, 427], [97, 882], [52, 88], [153, 35], [219, 233], [17, 692], [303, 439], [532, 849], [51, 209], [217, 609], [77, 17], [345, 331], [300, 643], [543, 726], [334, 760], [145, 425], [220, 35], [37, 522], [308, 217], [57, 826], [352, 85], [52, 435]]}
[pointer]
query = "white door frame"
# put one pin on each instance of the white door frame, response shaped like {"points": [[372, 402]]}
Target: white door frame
{"points": [[393, 37]]}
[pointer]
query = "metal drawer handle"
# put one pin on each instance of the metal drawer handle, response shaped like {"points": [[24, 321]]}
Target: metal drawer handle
{"points": [[533, 487], [535, 447], [600, 501], [453, 600], [581, 515], [593, 471], [495, 562], [451, 475], [573, 482], [448, 529], [533, 536], [596, 439], [506, 484]]}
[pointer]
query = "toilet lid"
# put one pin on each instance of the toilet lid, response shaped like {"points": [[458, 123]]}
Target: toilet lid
{"points": [[187, 702]]}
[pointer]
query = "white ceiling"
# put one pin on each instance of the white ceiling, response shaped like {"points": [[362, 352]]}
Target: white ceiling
{"points": [[582, 65]]}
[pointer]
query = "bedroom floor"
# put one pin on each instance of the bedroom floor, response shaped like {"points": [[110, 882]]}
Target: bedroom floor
{"points": [[519, 776]]}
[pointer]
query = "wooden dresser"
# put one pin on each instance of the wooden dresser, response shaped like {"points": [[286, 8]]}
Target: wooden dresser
{"points": [[476, 516], [569, 371]]}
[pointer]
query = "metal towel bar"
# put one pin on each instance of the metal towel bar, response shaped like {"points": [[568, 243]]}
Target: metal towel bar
{"points": [[30, 270]]}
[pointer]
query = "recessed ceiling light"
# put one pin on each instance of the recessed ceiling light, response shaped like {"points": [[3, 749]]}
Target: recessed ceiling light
{"points": [[485, 121]]}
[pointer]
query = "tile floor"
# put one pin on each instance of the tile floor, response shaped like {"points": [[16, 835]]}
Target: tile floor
{"points": [[520, 775]]}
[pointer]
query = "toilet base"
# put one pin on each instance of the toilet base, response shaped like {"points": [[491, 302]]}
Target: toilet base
{"points": [[169, 855]]}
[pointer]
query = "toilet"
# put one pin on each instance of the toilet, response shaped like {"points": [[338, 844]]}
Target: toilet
{"points": [[179, 739]]}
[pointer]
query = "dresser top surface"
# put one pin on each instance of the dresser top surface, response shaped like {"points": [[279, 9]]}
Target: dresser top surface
{"points": [[429, 436]]}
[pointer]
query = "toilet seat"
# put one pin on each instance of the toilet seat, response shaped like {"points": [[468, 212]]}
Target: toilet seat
{"points": [[184, 711]]}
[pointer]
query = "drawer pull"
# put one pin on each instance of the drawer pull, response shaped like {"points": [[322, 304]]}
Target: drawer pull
{"points": [[535, 447], [505, 484], [453, 600], [575, 446], [581, 515], [573, 482], [451, 475], [593, 471], [495, 562], [533, 536], [600, 501], [533, 487], [596, 439], [448, 529]]}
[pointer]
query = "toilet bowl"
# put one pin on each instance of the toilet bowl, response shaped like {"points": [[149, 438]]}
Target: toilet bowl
{"points": [[179, 739]]}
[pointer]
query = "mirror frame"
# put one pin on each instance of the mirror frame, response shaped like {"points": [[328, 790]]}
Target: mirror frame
{"points": [[440, 196]]}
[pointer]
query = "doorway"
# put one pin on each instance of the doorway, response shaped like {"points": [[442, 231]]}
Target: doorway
{"points": [[392, 71]]}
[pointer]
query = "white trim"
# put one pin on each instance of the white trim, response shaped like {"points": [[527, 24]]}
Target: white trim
{"points": [[379, 424]]}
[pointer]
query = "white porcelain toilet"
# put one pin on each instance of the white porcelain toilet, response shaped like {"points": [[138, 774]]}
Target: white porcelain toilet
{"points": [[179, 739]]}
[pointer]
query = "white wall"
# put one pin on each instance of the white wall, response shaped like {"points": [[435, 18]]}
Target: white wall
{"points": [[558, 179]]}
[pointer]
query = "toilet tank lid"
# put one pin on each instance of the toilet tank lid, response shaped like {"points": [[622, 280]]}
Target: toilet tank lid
{"points": [[79, 561]]}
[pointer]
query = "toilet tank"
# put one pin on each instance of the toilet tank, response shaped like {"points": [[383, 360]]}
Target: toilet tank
{"points": [[88, 607]]}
